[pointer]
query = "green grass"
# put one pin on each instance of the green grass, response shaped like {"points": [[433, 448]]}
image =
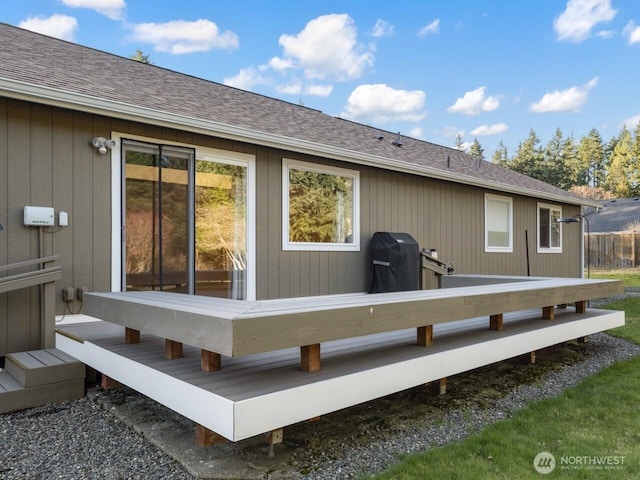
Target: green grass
{"points": [[630, 276], [598, 418]]}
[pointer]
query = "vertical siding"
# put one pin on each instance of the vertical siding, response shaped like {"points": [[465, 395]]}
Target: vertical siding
{"points": [[4, 214], [46, 159]]}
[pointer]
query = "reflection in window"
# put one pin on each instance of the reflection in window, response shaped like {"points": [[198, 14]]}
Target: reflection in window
{"points": [[549, 233], [321, 207]]}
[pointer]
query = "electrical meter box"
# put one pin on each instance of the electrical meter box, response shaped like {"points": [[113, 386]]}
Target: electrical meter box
{"points": [[39, 217]]}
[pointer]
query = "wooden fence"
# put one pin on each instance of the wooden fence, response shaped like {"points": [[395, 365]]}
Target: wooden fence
{"points": [[613, 250]]}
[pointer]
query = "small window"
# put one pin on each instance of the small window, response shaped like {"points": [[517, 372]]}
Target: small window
{"points": [[549, 231], [498, 231], [320, 207]]}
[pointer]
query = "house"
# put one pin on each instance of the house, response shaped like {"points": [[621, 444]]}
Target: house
{"points": [[161, 181]]}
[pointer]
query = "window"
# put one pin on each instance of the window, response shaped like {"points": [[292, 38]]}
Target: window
{"points": [[186, 218], [549, 231], [320, 207], [498, 231]]}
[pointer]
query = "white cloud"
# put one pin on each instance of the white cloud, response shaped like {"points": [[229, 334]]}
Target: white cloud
{"points": [[326, 48], [487, 130], [452, 132], [570, 99], [110, 8], [380, 103], [433, 27], [580, 16], [297, 88], [474, 103], [178, 36], [632, 122], [246, 79], [382, 29], [280, 65], [632, 32], [605, 33], [59, 26], [416, 132]]}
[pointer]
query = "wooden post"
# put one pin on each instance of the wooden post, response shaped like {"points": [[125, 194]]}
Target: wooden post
{"points": [[206, 437], [131, 336], [172, 349], [532, 357], [48, 316], [210, 361], [581, 306], [108, 383], [584, 339], [549, 313], [425, 336], [443, 385], [496, 322], [274, 437], [310, 358]]}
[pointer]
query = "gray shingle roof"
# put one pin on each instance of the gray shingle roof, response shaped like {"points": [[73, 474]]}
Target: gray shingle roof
{"points": [[83, 73], [616, 216]]}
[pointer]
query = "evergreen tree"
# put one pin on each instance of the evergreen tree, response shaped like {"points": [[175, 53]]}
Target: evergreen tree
{"points": [[591, 156], [623, 176], [476, 149], [459, 145], [139, 56], [529, 157], [500, 156]]}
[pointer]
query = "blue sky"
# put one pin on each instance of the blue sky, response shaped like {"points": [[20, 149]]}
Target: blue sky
{"points": [[490, 70]]}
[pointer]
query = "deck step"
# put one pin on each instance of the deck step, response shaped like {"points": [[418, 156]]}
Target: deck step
{"points": [[39, 377], [43, 367]]}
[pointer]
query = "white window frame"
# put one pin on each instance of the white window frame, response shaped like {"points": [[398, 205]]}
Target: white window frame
{"points": [[202, 153], [288, 164], [509, 201], [541, 249]]}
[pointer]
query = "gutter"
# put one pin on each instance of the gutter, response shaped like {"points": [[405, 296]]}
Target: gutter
{"points": [[110, 108]]}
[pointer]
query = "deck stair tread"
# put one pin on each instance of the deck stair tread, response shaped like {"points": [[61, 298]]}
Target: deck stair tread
{"points": [[42, 367], [39, 377]]}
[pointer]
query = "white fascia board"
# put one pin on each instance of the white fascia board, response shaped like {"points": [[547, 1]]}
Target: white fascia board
{"points": [[86, 103]]}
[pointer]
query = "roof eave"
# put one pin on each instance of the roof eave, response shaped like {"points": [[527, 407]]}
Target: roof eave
{"points": [[89, 104]]}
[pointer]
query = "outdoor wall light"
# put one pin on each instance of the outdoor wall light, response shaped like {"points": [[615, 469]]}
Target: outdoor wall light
{"points": [[103, 144]]}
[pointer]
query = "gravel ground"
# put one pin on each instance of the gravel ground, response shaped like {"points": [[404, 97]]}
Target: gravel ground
{"points": [[81, 440]]}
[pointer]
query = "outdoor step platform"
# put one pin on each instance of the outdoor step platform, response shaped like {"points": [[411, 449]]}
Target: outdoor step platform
{"points": [[43, 367], [14, 396]]}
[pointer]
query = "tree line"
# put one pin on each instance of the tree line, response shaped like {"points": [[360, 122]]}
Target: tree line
{"points": [[589, 166]]}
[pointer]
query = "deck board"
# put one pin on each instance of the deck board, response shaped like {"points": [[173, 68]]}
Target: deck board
{"points": [[258, 393]]}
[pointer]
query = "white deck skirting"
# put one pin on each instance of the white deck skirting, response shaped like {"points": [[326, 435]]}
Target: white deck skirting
{"points": [[263, 392]]}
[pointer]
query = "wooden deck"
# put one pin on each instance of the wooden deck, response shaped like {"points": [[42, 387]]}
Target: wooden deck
{"points": [[264, 392], [236, 328]]}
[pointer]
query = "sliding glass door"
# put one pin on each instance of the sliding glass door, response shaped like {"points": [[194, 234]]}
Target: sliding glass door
{"points": [[185, 221]]}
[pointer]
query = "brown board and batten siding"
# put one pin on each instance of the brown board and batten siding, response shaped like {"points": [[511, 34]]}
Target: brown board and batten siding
{"points": [[46, 160]]}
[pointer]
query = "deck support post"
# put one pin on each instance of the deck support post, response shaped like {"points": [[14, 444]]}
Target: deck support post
{"points": [[210, 361], [206, 437], [310, 358], [581, 306], [584, 339], [443, 385], [549, 313], [425, 336], [496, 322], [131, 336], [532, 357], [108, 383], [274, 437], [172, 349]]}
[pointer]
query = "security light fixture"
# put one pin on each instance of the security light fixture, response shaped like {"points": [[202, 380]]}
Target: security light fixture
{"points": [[103, 144]]}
